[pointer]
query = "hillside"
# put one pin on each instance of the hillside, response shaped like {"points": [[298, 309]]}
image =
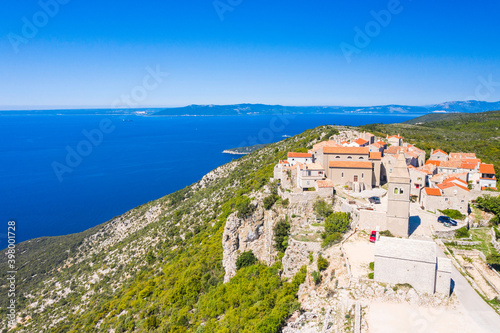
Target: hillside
{"points": [[160, 265], [262, 109], [478, 133]]}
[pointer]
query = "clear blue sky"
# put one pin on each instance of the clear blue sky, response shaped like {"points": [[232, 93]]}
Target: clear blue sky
{"points": [[277, 52]]}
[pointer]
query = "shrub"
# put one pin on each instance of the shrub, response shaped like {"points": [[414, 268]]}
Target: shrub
{"points": [[150, 258], [270, 200], [245, 259], [285, 202], [372, 266], [386, 233], [321, 208], [311, 258], [371, 275], [462, 233], [453, 213], [151, 323], [316, 277], [281, 231], [322, 263], [494, 260], [497, 233], [244, 207], [335, 225]]}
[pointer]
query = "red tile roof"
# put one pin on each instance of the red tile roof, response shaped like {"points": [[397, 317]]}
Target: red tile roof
{"points": [[346, 150], [300, 155], [393, 150], [350, 164], [486, 187], [453, 178], [451, 164], [486, 168], [461, 156], [361, 141], [325, 183], [375, 155], [432, 191], [438, 151], [395, 136], [427, 169], [451, 184], [436, 163], [468, 165], [322, 144], [382, 143]]}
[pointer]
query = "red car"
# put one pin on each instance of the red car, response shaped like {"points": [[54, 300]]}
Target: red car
{"points": [[373, 237]]}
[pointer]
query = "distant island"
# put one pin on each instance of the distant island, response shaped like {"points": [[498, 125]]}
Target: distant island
{"points": [[244, 150]]}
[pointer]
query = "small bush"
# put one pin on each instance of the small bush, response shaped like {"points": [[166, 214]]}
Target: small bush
{"points": [[245, 208], [371, 275], [386, 233], [151, 323], [462, 233], [311, 258], [321, 208], [270, 200], [281, 231], [322, 263], [285, 202], [372, 266], [494, 260], [246, 259], [453, 213], [316, 277]]}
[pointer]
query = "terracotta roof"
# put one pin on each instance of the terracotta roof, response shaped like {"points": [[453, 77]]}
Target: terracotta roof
{"points": [[325, 183], [394, 150], [451, 164], [375, 155], [314, 166], [302, 155], [451, 184], [427, 169], [468, 165], [361, 141], [486, 168], [438, 151], [382, 143], [350, 164], [369, 134], [376, 145], [344, 142], [455, 179], [346, 150], [284, 162], [322, 144], [412, 154], [461, 156], [395, 136], [296, 165], [486, 187], [432, 191], [411, 167], [437, 176], [436, 163]]}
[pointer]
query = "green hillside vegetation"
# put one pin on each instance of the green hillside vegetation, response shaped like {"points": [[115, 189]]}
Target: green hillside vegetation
{"points": [[176, 283], [476, 133]]}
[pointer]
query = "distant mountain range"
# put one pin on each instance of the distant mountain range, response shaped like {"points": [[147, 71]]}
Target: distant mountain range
{"points": [[255, 109], [263, 109]]}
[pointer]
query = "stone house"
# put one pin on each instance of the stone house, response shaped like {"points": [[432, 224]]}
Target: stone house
{"points": [[447, 195], [308, 174], [488, 179], [359, 143], [395, 140], [414, 262], [438, 155], [419, 178], [279, 168], [357, 175], [368, 137], [294, 158], [324, 188]]}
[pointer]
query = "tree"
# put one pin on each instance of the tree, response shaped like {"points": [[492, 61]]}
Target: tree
{"points": [[281, 231], [150, 258], [244, 207], [270, 200], [246, 259], [335, 225], [322, 263], [321, 208]]}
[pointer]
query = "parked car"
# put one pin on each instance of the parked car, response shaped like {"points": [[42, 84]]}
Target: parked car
{"points": [[373, 236], [374, 200], [447, 220]]}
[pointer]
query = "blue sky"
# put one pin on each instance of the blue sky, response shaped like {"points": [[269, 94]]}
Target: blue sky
{"points": [[91, 53]]}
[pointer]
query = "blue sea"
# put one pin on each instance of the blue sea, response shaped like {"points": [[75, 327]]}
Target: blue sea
{"points": [[67, 173]]}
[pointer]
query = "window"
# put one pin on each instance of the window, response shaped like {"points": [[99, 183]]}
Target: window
{"points": [[342, 175], [396, 190], [362, 175], [355, 178], [361, 157], [337, 157], [390, 170], [400, 191], [349, 157]]}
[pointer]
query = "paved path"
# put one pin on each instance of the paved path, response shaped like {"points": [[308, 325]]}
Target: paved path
{"points": [[475, 306]]}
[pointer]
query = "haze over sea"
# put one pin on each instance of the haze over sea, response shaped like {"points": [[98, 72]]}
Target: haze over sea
{"points": [[141, 159]]}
